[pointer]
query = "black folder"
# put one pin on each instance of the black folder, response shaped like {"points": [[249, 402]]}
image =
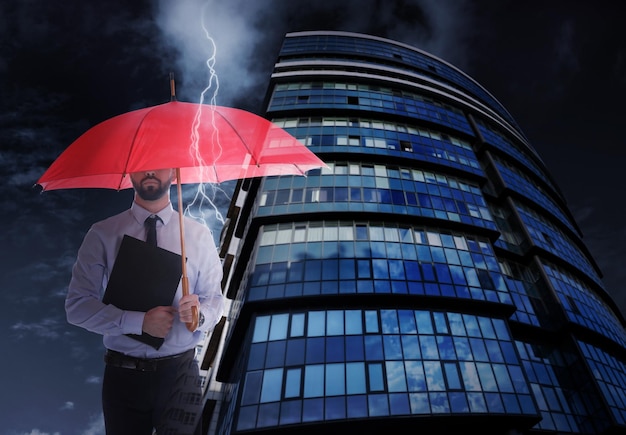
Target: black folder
{"points": [[143, 277]]}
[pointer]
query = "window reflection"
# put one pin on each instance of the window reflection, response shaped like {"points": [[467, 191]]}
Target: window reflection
{"points": [[271, 387]]}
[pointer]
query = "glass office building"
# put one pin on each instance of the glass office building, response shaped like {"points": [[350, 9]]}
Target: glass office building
{"points": [[431, 278]]}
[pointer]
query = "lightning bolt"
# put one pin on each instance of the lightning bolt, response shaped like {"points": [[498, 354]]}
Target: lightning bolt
{"points": [[206, 193]]}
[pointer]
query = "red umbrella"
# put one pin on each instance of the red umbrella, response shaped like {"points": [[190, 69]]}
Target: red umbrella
{"points": [[205, 143], [209, 144]]}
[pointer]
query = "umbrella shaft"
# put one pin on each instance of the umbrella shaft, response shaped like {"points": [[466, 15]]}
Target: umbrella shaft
{"points": [[185, 280]]}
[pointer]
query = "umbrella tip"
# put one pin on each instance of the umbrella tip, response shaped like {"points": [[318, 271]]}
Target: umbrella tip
{"points": [[172, 87]]}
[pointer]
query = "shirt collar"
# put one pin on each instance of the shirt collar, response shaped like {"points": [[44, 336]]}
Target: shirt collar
{"points": [[141, 214]]}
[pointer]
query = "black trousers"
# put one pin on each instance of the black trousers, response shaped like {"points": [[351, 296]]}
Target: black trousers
{"points": [[164, 395]]}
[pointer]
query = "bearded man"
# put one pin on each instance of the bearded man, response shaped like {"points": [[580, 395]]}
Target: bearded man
{"points": [[147, 388]]}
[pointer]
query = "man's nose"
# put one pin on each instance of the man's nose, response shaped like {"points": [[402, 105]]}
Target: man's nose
{"points": [[150, 173]]}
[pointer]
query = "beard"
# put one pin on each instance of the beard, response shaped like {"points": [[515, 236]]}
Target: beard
{"points": [[151, 192]]}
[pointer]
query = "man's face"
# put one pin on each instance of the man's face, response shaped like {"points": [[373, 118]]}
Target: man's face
{"points": [[152, 185]]}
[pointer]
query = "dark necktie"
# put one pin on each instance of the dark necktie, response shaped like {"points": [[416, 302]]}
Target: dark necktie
{"points": [[150, 224]]}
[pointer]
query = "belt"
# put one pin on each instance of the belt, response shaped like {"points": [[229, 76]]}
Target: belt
{"points": [[118, 359]]}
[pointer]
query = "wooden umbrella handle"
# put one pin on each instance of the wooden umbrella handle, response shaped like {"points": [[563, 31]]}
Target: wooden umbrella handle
{"points": [[193, 325]]}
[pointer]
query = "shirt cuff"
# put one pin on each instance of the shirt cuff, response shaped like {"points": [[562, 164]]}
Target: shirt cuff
{"points": [[132, 322]]}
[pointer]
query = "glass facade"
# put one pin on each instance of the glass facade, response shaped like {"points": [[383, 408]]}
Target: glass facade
{"points": [[373, 99], [350, 186], [432, 273], [366, 136], [320, 366], [326, 258]]}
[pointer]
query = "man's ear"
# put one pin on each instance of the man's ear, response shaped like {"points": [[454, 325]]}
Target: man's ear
{"points": [[172, 175]]}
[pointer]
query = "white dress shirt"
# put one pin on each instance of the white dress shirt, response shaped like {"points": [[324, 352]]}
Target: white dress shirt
{"points": [[94, 263]]}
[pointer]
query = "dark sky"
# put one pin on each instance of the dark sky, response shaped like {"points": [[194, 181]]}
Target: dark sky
{"points": [[558, 66]]}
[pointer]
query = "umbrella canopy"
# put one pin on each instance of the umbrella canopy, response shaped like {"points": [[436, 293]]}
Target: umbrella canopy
{"points": [[209, 144]]}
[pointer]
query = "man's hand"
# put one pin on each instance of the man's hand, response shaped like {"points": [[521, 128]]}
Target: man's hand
{"points": [[185, 307], [158, 321]]}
